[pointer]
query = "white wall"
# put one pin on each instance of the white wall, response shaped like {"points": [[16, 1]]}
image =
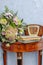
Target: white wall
{"points": [[32, 12]]}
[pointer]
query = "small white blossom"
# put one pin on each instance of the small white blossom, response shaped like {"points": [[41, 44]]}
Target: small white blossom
{"points": [[8, 15]]}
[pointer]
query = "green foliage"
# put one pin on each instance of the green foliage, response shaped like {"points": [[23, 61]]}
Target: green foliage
{"points": [[10, 20], [6, 9]]}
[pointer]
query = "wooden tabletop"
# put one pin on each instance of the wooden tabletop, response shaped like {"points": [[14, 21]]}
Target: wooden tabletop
{"points": [[24, 47]]}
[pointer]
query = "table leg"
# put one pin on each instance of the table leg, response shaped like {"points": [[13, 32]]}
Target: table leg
{"points": [[19, 58], [39, 58], [5, 57]]}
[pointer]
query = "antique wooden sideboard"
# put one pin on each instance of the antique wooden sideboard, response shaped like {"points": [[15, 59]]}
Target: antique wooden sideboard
{"points": [[19, 48]]}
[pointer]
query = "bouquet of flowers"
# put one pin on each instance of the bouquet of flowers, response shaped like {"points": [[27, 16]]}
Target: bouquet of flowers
{"points": [[9, 24]]}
